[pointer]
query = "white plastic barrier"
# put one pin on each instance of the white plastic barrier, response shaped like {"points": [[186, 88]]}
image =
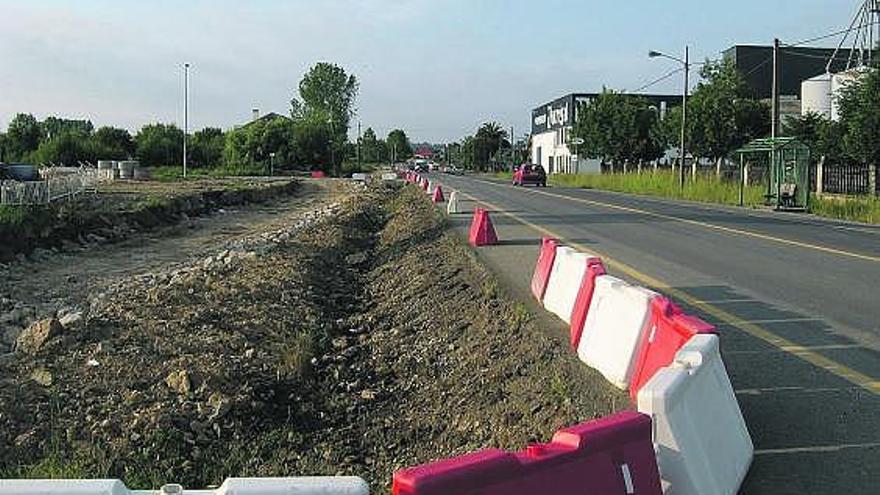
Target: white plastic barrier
{"points": [[452, 205], [359, 177], [330, 485], [700, 436], [564, 283], [614, 327]]}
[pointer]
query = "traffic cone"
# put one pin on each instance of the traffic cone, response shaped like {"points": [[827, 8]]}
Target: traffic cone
{"points": [[452, 205], [482, 232], [437, 197]]}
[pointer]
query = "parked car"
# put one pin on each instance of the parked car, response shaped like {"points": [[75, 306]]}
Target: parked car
{"points": [[529, 174]]}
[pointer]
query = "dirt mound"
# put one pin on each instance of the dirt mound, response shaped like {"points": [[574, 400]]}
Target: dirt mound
{"points": [[363, 339]]}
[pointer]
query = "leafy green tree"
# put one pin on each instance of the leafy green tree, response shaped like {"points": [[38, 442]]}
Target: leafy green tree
{"points": [[159, 144], [206, 147], [68, 147], [311, 141], [399, 145], [723, 113], [23, 136], [113, 143], [53, 126], [489, 139], [859, 104], [254, 143], [372, 149], [329, 91], [620, 128]]}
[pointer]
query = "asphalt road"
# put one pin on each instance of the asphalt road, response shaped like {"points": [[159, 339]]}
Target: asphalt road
{"points": [[796, 299]]}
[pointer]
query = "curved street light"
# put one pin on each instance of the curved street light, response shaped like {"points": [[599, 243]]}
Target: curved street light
{"points": [[684, 96]]}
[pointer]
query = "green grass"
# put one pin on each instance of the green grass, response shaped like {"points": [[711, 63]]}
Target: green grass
{"points": [[13, 215], [169, 174], [664, 183], [855, 209]]}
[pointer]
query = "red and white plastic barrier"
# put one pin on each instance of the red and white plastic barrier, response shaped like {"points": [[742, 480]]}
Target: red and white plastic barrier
{"points": [[595, 268], [703, 445], [608, 456], [616, 322], [569, 267], [543, 267], [319, 485], [668, 331]]}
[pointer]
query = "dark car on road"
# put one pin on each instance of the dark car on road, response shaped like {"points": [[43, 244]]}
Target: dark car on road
{"points": [[529, 174]]}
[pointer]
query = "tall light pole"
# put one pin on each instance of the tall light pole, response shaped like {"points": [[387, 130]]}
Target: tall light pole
{"points": [[185, 112], [684, 97]]}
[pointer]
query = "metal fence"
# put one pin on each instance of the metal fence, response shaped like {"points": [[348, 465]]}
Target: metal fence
{"points": [[846, 179], [51, 189]]}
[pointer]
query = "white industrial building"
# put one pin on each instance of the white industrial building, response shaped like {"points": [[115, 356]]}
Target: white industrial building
{"points": [[552, 125]]}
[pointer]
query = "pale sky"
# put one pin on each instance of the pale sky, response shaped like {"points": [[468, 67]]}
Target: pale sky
{"points": [[434, 68]]}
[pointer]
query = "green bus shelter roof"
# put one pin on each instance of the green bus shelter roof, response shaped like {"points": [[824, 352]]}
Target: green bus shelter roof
{"points": [[771, 144]]}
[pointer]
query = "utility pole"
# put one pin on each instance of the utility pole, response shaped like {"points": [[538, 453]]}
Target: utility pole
{"points": [[512, 149], [359, 145], [185, 112], [684, 102], [774, 119]]}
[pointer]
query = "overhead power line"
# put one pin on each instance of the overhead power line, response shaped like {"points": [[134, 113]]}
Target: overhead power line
{"points": [[659, 79]]}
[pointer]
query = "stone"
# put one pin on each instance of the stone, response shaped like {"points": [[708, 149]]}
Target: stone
{"points": [[70, 320], [34, 337], [179, 381], [42, 376]]}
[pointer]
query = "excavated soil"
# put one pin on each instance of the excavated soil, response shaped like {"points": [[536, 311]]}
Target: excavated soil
{"points": [[362, 338]]}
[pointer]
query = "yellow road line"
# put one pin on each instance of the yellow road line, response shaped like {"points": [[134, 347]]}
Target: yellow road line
{"points": [[855, 377], [757, 235]]}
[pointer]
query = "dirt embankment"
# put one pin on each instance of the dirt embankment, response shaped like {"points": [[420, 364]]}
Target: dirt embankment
{"points": [[363, 339], [120, 209]]}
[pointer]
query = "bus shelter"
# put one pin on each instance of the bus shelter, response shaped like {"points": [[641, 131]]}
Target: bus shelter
{"points": [[788, 178]]}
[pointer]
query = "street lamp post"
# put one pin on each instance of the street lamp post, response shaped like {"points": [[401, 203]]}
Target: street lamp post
{"points": [[684, 96], [185, 112], [272, 164]]}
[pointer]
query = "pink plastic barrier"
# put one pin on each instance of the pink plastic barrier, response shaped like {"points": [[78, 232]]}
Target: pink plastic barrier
{"points": [[608, 456], [669, 330], [594, 269], [544, 266]]}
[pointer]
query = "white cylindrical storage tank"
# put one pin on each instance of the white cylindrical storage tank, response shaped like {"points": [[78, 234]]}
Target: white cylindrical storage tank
{"points": [[816, 95], [106, 164]]}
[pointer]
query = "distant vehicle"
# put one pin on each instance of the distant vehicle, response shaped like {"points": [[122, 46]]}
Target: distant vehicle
{"points": [[529, 174], [452, 170], [433, 167]]}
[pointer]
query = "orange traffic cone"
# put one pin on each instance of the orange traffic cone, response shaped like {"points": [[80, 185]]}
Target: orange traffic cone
{"points": [[438, 195], [482, 232]]}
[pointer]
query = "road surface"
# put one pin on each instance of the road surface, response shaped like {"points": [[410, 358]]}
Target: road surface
{"points": [[796, 299]]}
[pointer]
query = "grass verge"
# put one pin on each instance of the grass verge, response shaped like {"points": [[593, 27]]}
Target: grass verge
{"points": [[176, 173], [854, 209], [664, 184]]}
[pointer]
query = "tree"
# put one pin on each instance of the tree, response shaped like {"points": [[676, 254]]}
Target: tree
{"points": [[859, 103], [620, 128], [490, 138], [254, 143], [311, 141], [54, 126], [723, 113], [159, 144], [206, 147], [23, 136], [113, 143], [68, 147], [371, 147], [327, 90], [399, 145]]}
